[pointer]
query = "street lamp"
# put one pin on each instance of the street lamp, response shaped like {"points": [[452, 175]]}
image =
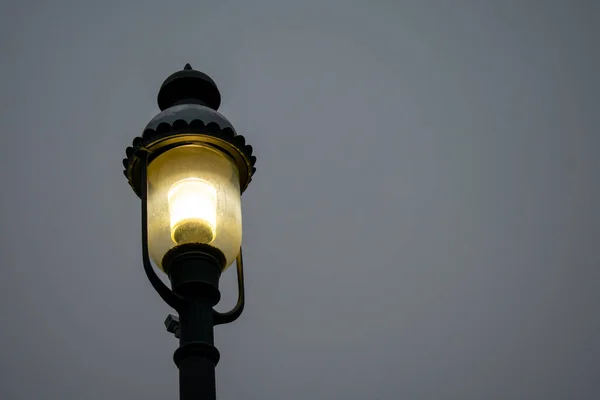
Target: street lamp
{"points": [[189, 169]]}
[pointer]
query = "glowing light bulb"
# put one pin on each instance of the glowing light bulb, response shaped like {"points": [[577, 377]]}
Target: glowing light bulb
{"points": [[193, 211]]}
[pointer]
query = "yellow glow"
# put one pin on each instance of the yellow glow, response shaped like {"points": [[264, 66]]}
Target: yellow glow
{"points": [[194, 197], [193, 211]]}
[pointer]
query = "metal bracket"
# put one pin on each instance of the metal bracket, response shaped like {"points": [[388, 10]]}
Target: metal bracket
{"points": [[172, 324], [171, 298], [230, 316]]}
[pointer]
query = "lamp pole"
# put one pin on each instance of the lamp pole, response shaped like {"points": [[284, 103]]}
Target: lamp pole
{"points": [[195, 277], [193, 242]]}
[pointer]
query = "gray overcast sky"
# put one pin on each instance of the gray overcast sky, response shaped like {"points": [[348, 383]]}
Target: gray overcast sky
{"points": [[424, 222]]}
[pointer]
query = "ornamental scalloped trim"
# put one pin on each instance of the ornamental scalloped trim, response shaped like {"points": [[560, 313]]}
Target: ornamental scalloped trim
{"points": [[180, 126]]}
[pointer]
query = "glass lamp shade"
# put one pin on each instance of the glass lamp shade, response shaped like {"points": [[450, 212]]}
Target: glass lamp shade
{"points": [[193, 197]]}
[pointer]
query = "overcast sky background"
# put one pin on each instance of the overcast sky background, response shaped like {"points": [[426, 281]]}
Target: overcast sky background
{"points": [[423, 224]]}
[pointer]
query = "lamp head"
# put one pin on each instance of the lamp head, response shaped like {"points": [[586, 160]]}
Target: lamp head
{"points": [[198, 167]]}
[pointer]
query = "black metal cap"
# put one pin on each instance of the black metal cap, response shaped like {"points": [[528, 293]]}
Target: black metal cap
{"points": [[189, 87], [189, 100]]}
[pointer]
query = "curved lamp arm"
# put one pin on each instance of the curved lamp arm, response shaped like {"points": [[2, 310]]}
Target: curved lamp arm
{"points": [[230, 316], [163, 291]]}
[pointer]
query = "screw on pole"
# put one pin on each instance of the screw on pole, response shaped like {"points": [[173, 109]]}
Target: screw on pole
{"points": [[172, 324]]}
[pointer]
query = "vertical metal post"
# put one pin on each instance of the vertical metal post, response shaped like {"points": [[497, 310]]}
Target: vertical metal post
{"points": [[195, 277]]}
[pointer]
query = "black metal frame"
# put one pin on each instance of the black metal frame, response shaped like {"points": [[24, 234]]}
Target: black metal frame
{"points": [[194, 277]]}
